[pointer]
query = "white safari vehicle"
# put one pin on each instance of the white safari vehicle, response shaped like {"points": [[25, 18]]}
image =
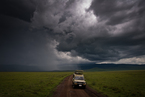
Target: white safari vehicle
{"points": [[78, 79]]}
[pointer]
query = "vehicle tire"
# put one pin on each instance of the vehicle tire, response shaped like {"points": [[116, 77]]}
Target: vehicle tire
{"points": [[84, 87]]}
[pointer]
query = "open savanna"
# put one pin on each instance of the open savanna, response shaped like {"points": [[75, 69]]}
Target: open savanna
{"points": [[30, 84], [118, 83]]}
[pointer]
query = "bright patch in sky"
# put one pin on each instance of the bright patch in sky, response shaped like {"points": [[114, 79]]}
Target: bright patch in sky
{"points": [[134, 60], [86, 4], [88, 15]]}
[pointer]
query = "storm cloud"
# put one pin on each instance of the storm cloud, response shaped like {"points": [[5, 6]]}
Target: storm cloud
{"points": [[57, 34]]}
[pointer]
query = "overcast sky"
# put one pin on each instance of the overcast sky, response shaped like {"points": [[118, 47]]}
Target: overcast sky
{"points": [[57, 34]]}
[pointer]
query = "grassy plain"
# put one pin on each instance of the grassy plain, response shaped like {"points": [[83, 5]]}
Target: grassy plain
{"points": [[118, 83], [29, 84]]}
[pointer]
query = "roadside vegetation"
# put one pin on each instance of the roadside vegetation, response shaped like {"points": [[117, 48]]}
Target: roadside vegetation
{"points": [[30, 84], [118, 83]]}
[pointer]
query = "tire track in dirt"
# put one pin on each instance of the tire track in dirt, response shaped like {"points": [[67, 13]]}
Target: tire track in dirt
{"points": [[65, 89]]}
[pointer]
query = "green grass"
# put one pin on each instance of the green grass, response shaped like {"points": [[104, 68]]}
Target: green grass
{"points": [[29, 84], [42, 84], [118, 83]]}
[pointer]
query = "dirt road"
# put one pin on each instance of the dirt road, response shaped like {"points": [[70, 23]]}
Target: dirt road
{"points": [[65, 89]]}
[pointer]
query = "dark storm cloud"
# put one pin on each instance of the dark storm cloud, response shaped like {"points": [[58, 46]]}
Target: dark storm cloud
{"points": [[64, 16], [109, 9], [122, 34], [19, 43], [53, 33], [18, 8], [117, 12], [23, 44]]}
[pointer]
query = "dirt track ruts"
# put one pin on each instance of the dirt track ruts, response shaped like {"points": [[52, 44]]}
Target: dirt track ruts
{"points": [[65, 89]]}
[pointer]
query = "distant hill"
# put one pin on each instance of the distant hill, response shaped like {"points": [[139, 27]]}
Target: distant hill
{"points": [[110, 67], [85, 67]]}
